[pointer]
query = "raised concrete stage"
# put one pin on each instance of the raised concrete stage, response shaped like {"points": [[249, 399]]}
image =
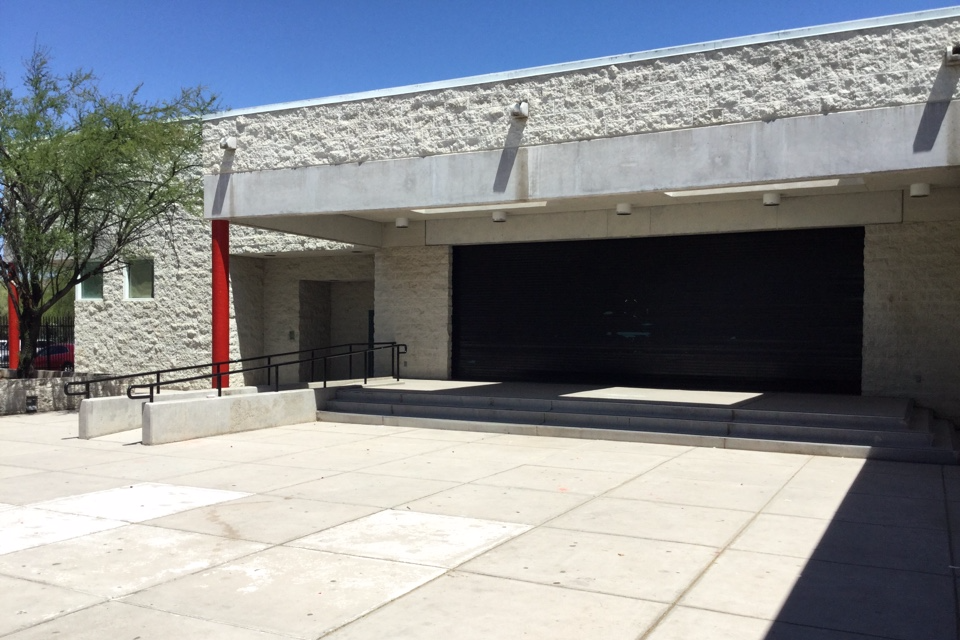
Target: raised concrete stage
{"points": [[847, 426]]}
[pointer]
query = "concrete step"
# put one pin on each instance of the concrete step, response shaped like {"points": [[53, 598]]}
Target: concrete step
{"points": [[929, 455], [630, 409], [718, 428]]}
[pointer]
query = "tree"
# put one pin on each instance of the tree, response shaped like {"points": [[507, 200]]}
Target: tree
{"points": [[85, 178]]}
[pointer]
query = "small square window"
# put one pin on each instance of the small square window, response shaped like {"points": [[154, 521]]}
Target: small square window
{"points": [[139, 279], [92, 287]]}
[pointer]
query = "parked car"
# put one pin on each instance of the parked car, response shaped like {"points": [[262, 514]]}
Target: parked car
{"points": [[58, 357]]}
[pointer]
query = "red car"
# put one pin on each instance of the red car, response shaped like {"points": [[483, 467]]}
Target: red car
{"points": [[56, 356]]}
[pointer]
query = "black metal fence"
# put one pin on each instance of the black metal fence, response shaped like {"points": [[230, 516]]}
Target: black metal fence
{"points": [[54, 347]]}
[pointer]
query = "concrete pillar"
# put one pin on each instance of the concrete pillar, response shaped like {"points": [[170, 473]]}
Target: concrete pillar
{"points": [[221, 298]]}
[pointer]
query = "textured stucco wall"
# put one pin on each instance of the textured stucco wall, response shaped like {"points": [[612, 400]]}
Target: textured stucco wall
{"points": [[911, 325], [173, 329], [863, 69], [412, 300]]}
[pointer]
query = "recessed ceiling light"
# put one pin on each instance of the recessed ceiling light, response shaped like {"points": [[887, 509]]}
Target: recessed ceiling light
{"points": [[503, 206], [754, 188]]}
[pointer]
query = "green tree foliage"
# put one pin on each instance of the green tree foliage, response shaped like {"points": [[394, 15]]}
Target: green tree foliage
{"points": [[85, 178]]}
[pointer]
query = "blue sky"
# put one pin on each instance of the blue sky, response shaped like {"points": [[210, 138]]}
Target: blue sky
{"points": [[255, 52]]}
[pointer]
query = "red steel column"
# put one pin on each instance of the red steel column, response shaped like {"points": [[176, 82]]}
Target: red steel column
{"points": [[221, 296], [13, 329]]}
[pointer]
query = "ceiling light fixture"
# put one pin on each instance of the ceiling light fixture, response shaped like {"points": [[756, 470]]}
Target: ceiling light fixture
{"points": [[499, 216], [771, 199], [403, 223], [470, 208], [757, 188], [624, 209], [919, 189]]}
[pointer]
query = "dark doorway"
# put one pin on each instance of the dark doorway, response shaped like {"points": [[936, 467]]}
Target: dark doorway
{"points": [[764, 311]]}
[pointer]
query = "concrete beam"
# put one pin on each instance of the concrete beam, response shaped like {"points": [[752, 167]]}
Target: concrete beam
{"points": [[839, 144]]}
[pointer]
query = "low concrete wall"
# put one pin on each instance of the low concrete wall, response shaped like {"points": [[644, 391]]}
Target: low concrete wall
{"points": [[104, 416], [178, 420], [48, 388]]}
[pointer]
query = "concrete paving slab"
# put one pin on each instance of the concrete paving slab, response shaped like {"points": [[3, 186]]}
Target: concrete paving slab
{"points": [[617, 565], [505, 504], [444, 434], [119, 620], [534, 441], [263, 518], [311, 439], [365, 489], [139, 502], [878, 511], [656, 521], [620, 462], [558, 479], [357, 428], [235, 451], [24, 603], [436, 466], [297, 592], [249, 477], [648, 448], [685, 623], [472, 607], [867, 600], [480, 451], [38, 487], [27, 527], [408, 536], [358, 455], [66, 458], [830, 504], [151, 468], [13, 449], [667, 487], [123, 560], [15, 472], [755, 473], [907, 549]]}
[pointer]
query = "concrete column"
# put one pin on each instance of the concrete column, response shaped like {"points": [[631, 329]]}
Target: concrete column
{"points": [[13, 329], [221, 298]]}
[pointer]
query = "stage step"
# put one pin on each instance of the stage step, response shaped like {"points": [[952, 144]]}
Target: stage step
{"points": [[900, 432]]}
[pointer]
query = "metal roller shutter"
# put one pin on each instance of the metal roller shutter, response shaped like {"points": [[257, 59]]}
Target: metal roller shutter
{"points": [[764, 311]]}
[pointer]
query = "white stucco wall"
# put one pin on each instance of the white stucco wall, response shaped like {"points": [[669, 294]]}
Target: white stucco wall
{"points": [[413, 303], [885, 66], [173, 329]]}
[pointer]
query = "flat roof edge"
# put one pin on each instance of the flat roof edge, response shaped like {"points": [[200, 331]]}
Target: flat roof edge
{"points": [[592, 63]]}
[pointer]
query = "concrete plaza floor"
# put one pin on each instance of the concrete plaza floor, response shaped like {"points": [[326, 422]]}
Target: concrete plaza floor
{"points": [[348, 531]]}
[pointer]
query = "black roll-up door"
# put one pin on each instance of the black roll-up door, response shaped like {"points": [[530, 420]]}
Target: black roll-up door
{"points": [[763, 311]]}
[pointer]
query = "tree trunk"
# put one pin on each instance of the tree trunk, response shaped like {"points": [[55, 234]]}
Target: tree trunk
{"points": [[29, 336]]}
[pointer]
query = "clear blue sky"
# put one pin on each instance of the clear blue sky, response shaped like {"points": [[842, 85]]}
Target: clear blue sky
{"points": [[255, 52]]}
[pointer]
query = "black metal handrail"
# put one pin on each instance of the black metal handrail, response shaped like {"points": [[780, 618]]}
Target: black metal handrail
{"points": [[222, 368]]}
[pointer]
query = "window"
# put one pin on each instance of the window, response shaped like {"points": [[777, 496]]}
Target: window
{"points": [[138, 283], [92, 287]]}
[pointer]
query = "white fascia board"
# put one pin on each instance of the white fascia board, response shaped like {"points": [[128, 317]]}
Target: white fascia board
{"points": [[593, 63]]}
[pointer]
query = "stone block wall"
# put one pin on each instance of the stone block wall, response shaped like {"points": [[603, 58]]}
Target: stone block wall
{"points": [[862, 69], [911, 313], [281, 299], [414, 306]]}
